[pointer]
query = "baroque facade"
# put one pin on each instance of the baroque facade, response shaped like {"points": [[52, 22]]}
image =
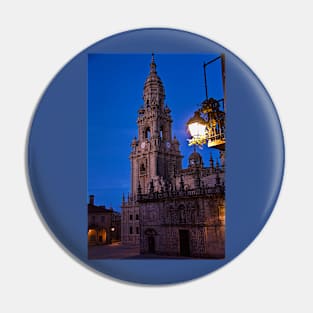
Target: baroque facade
{"points": [[170, 210]]}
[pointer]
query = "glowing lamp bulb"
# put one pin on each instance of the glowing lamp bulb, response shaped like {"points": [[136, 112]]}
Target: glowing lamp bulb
{"points": [[196, 129], [196, 125]]}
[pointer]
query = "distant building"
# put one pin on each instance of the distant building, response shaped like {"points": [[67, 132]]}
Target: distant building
{"points": [[104, 225], [171, 210]]}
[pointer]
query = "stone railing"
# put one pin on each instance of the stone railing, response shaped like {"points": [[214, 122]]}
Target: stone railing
{"points": [[153, 196]]}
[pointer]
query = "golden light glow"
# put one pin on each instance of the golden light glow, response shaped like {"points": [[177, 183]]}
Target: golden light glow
{"points": [[196, 129], [92, 235], [197, 126], [208, 126]]}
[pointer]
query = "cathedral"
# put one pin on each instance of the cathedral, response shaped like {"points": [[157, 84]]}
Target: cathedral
{"points": [[170, 210]]}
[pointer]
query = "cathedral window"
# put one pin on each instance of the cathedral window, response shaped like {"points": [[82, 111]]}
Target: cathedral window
{"points": [[142, 169], [130, 230], [137, 217], [131, 217], [161, 132], [147, 133], [137, 230]]}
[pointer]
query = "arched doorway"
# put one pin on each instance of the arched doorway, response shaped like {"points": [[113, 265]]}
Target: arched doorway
{"points": [[97, 236], [151, 244], [92, 237], [150, 240], [102, 236], [184, 242]]}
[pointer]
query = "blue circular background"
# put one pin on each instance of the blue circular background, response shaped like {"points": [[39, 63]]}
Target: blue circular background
{"points": [[57, 156]]}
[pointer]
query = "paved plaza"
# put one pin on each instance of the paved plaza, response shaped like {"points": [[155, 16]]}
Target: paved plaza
{"points": [[120, 251], [113, 251]]}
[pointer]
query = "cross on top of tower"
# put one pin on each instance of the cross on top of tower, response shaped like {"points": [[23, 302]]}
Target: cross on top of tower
{"points": [[152, 65]]}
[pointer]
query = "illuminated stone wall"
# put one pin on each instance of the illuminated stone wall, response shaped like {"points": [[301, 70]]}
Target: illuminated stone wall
{"points": [[202, 217]]}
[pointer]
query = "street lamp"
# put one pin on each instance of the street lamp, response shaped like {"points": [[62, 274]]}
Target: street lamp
{"points": [[208, 123], [197, 126]]}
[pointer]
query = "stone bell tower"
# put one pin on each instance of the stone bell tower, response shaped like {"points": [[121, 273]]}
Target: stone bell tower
{"points": [[155, 154], [170, 210]]}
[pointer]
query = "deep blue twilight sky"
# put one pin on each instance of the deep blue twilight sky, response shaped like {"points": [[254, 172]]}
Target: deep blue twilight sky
{"points": [[115, 87]]}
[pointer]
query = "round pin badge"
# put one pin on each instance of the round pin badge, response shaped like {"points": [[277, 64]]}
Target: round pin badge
{"points": [[155, 156]]}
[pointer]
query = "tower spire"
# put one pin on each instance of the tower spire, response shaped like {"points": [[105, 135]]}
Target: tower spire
{"points": [[153, 91], [152, 64]]}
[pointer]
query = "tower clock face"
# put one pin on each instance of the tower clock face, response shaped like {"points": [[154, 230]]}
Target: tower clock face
{"points": [[143, 144], [168, 145]]}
